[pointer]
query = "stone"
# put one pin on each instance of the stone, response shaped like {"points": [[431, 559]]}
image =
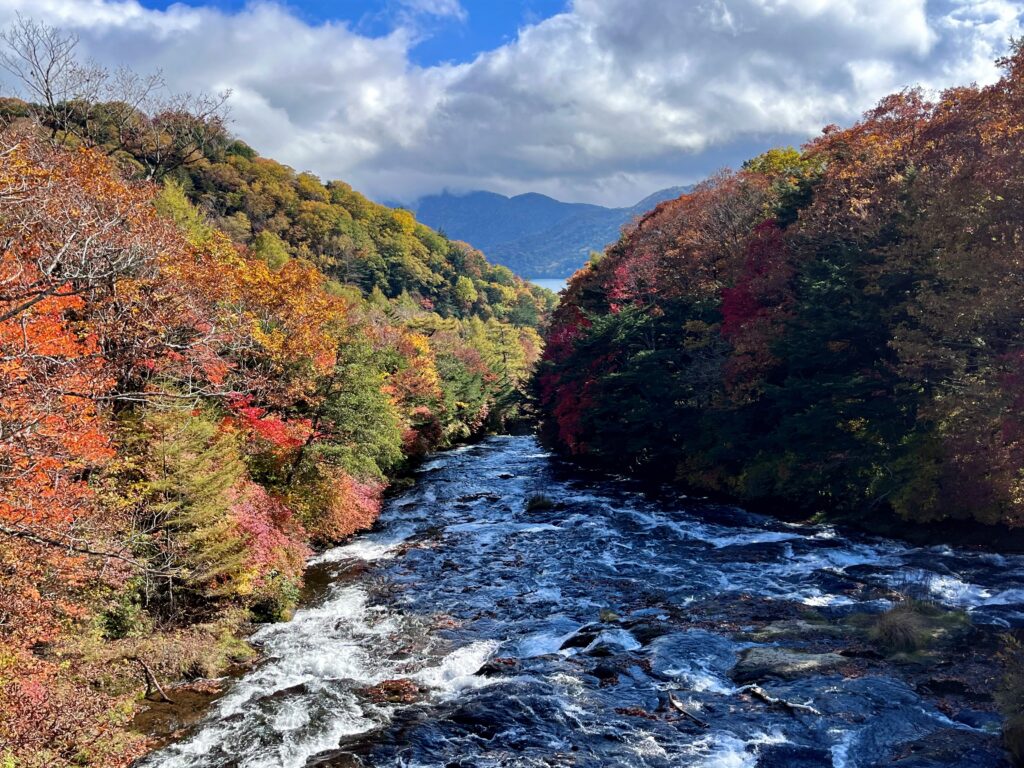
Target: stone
{"points": [[951, 746], [798, 628], [763, 662], [991, 722], [584, 637], [792, 756]]}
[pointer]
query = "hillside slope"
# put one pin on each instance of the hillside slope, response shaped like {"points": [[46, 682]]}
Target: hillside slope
{"points": [[210, 364], [836, 331], [532, 234]]}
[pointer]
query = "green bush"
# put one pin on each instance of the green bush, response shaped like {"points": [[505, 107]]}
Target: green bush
{"points": [[901, 630], [539, 501], [125, 617], [912, 626]]}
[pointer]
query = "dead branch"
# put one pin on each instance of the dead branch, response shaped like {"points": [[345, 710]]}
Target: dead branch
{"points": [[679, 707], [151, 681], [69, 544], [792, 707]]}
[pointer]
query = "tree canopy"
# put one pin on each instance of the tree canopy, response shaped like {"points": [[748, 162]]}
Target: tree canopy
{"points": [[836, 329]]}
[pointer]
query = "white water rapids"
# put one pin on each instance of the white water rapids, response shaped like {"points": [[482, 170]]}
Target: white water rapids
{"points": [[535, 636]]}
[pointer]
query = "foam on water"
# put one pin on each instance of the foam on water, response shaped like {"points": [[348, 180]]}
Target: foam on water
{"points": [[542, 644], [1006, 597], [954, 591], [619, 637], [697, 677], [724, 750], [368, 547], [752, 537], [844, 742], [477, 614], [456, 670], [506, 528]]}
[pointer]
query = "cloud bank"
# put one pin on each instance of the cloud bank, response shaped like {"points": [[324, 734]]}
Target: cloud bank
{"points": [[605, 102]]}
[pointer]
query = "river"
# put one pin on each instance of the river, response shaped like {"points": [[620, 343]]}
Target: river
{"points": [[566, 634]]}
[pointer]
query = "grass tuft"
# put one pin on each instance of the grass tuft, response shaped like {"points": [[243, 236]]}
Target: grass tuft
{"points": [[539, 501], [912, 626], [900, 630]]}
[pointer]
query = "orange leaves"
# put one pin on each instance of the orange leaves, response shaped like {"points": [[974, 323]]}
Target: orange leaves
{"points": [[116, 323], [72, 229], [416, 382], [51, 428], [71, 225], [240, 326]]}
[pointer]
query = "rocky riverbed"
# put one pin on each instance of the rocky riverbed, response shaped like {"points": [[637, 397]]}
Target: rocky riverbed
{"points": [[508, 611]]}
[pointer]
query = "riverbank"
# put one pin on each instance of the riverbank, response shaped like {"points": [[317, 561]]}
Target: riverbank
{"points": [[172, 707], [965, 533], [521, 632]]}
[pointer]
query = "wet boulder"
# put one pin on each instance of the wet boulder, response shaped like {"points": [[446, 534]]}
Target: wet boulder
{"points": [[979, 719], [608, 674], [498, 666], [398, 691], [951, 746], [602, 650], [762, 662], [584, 637], [299, 689], [792, 756], [647, 632], [798, 628], [483, 496]]}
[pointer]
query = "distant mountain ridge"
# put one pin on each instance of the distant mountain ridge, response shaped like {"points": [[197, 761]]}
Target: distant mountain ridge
{"points": [[532, 234]]}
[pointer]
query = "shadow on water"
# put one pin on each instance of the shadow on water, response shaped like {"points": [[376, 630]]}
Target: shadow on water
{"points": [[480, 625]]}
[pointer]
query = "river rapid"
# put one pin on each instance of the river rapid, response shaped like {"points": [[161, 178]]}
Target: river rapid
{"points": [[575, 633]]}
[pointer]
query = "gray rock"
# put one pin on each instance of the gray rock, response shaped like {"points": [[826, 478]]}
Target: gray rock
{"points": [[798, 628], [951, 746], [792, 756], [761, 662]]}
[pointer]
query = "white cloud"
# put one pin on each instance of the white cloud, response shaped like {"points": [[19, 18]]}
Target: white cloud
{"points": [[605, 102], [439, 8]]}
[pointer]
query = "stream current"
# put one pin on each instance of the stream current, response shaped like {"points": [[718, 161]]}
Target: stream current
{"points": [[556, 634]]}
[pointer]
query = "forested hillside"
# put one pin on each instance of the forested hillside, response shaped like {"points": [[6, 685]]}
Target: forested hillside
{"points": [[210, 364], [533, 234], [833, 330]]}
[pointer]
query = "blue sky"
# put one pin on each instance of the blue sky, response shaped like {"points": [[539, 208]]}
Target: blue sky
{"points": [[600, 101], [485, 24]]}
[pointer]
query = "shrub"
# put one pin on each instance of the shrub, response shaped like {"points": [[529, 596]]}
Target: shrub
{"points": [[901, 630], [1013, 738], [912, 625], [1010, 697], [539, 501], [125, 617]]}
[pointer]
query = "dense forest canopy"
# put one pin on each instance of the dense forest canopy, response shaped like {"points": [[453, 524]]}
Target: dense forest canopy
{"points": [[837, 329], [211, 363]]}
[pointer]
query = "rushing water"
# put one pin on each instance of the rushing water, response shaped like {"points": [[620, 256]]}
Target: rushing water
{"points": [[500, 615]]}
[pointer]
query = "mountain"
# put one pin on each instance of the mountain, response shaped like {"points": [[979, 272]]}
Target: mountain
{"points": [[532, 234]]}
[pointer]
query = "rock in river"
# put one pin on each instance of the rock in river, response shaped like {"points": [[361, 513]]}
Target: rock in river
{"points": [[762, 662]]}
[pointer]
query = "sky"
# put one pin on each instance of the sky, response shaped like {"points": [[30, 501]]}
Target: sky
{"points": [[599, 101]]}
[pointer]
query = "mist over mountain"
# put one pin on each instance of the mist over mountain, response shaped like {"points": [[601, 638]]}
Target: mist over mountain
{"points": [[532, 234]]}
